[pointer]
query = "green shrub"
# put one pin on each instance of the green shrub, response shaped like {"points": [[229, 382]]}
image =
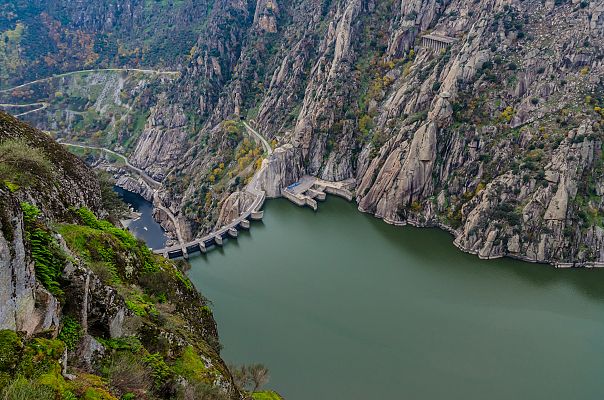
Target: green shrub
{"points": [[266, 395], [49, 260], [24, 389], [22, 164], [141, 305], [190, 365], [71, 333], [10, 348], [40, 356], [159, 369], [126, 238]]}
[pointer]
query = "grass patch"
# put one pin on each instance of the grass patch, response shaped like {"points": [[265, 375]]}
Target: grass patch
{"points": [[266, 395]]}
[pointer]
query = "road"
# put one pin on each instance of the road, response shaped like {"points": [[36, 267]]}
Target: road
{"points": [[87, 71], [267, 147], [155, 185], [152, 182], [252, 187], [41, 106]]}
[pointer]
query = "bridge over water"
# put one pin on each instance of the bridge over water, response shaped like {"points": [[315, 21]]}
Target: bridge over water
{"points": [[302, 193], [253, 212]]}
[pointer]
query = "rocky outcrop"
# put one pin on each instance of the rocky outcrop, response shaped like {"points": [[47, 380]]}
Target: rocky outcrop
{"points": [[24, 304], [493, 138], [284, 167], [138, 186], [101, 308], [469, 135], [162, 141], [235, 205], [266, 15]]}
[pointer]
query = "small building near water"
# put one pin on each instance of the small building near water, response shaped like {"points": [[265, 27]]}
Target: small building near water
{"points": [[437, 41]]}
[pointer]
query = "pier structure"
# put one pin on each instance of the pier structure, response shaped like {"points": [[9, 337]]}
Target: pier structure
{"points": [[308, 190]]}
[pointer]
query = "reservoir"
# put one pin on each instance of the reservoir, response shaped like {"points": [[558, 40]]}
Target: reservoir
{"points": [[340, 305], [145, 227]]}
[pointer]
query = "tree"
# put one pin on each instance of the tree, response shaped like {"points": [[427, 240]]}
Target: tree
{"points": [[251, 377], [258, 375], [110, 199]]}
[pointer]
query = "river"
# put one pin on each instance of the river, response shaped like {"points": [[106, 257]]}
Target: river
{"points": [[340, 305], [145, 227]]}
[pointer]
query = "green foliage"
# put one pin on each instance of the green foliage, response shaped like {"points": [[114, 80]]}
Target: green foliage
{"points": [[49, 260], [160, 370], [10, 348], [22, 164], [141, 304], [30, 212], [266, 395], [40, 358], [71, 333], [183, 279], [129, 343], [90, 220], [12, 187], [101, 241], [25, 389], [365, 125], [189, 365]]}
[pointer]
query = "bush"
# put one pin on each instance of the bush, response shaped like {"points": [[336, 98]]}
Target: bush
{"points": [[159, 369], [129, 374], [71, 333], [10, 347], [24, 389], [23, 164]]}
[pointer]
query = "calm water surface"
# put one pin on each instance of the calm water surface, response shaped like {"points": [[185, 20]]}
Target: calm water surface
{"points": [[340, 305], [145, 227]]}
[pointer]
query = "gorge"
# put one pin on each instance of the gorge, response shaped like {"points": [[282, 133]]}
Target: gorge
{"points": [[467, 137]]}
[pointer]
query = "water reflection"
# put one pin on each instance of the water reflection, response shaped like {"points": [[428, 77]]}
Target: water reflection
{"points": [[145, 227]]}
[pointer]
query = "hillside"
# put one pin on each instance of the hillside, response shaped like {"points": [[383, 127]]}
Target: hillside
{"points": [[42, 38], [496, 137], [86, 310], [481, 117]]}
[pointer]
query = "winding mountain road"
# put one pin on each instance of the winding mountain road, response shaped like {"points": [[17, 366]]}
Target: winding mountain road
{"points": [[259, 137], [252, 187], [42, 105], [155, 185], [88, 71]]}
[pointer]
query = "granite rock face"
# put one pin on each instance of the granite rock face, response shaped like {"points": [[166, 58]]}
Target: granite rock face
{"points": [[494, 134], [24, 304], [482, 117], [284, 167]]}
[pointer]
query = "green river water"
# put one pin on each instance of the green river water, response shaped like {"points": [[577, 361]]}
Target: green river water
{"points": [[340, 305]]}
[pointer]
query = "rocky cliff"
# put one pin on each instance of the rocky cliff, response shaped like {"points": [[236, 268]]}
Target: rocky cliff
{"points": [[482, 117], [86, 310]]}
